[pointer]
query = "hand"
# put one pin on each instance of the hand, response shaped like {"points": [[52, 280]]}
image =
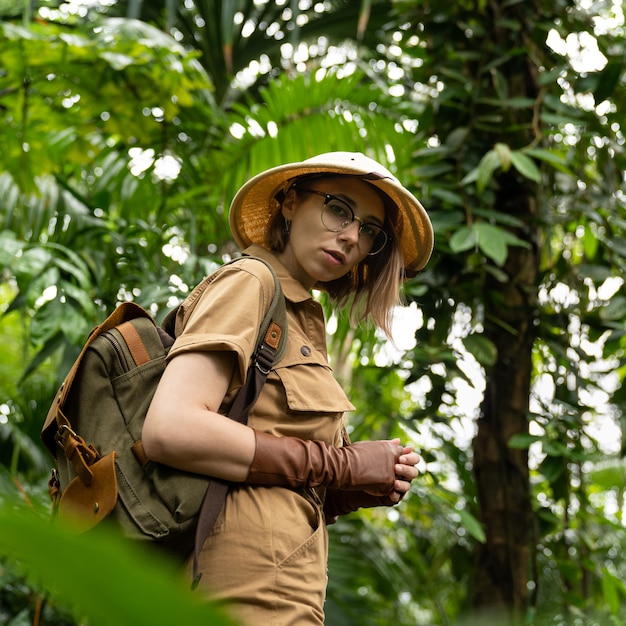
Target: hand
{"points": [[340, 502], [406, 471]]}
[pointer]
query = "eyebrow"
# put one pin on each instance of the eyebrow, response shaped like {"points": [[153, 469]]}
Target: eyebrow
{"points": [[352, 204]]}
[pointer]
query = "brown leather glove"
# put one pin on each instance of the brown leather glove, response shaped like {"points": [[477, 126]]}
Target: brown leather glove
{"points": [[294, 462], [339, 502]]}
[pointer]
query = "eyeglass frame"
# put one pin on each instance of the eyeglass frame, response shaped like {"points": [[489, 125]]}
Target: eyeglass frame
{"points": [[328, 197]]}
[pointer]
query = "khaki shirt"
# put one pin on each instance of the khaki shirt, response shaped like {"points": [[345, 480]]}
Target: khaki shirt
{"points": [[301, 398]]}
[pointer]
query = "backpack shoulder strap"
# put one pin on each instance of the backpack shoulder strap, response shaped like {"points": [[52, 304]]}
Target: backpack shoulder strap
{"points": [[273, 329], [271, 344]]}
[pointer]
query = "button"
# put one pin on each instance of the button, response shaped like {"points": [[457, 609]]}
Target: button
{"points": [[305, 351]]}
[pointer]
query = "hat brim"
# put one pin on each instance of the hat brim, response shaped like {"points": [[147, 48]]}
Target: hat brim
{"points": [[254, 204]]}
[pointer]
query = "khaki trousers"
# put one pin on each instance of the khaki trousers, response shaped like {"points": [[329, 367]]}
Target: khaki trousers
{"points": [[266, 559]]}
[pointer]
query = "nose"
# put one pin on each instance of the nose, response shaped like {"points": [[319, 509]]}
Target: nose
{"points": [[351, 232]]}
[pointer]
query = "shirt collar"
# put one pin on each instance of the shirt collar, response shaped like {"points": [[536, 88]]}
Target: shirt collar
{"points": [[292, 288]]}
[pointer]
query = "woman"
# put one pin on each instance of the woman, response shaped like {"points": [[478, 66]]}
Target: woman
{"points": [[338, 222]]}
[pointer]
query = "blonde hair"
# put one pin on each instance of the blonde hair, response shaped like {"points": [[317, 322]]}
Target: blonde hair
{"points": [[372, 288]]}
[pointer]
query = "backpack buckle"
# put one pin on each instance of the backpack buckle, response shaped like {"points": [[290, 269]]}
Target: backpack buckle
{"points": [[63, 433], [264, 359]]}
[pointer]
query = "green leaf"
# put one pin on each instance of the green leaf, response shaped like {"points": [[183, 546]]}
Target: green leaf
{"points": [[481, 348], [555, 158], [448, 196], [552, 467], [525, 166], [610, 474], [487, 166], [483, 172], [457, 137], [9, 247], [492, 241], [610, 591], [446, 220], [591, 243], [463, 239], [615, 310], [32, 262], [93, 574], [523, 441], [504, 154], [608, 80], [597, 273], [472, 525]]}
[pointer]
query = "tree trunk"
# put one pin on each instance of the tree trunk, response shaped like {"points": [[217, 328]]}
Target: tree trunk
{"points": [[501, 473]]}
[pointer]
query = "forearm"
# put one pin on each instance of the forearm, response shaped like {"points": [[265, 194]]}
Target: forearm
{"points": [[200, 441], [183, 429], [294, 462]]}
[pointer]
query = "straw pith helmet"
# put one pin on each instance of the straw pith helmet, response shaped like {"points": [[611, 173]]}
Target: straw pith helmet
{"points": [[253, 206]]}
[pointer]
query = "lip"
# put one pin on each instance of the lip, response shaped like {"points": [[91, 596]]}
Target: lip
{"points": [[336, 256]]}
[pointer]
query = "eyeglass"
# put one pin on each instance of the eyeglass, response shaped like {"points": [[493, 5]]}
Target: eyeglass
{"points": [[337, 216]]}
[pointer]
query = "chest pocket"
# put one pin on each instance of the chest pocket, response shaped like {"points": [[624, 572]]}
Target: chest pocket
{"points": [[309, 384]]}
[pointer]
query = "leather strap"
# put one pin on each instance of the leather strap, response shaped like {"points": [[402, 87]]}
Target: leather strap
{"points": [[135, 344]]}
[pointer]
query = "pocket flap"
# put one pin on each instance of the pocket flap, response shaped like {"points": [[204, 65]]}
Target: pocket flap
{"points": [[83, 507], [313, 388]]}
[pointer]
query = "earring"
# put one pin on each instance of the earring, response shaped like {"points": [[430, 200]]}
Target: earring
{"points": [[287, 227]]}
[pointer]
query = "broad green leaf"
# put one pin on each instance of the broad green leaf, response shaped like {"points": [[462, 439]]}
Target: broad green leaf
{"points": [[504, 155], [33, 261], [610, 586], [448, 196], [525, 166], [495, 249], [50, 318], [76, 569], [487, 166], [610, 474], [556, 119], [557, 158], [481, 348], [483, 172], [591, 244], [608, 79], [492, 241], [615, 310], [9, 247], [446, 220], [456, 138], [522, 441], [598, 273], [463, 239], [552, 467], [472, 525], [497, 217]]}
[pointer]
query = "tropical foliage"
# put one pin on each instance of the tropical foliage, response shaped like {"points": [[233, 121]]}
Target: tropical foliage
{"points": [[127, 127]]}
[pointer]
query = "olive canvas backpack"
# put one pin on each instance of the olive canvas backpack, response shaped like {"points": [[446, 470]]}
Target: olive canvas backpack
{"points": [[93, 430]]}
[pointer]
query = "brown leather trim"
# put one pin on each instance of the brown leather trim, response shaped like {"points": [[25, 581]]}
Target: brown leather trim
{"points": [[140, 454], [135, 345], [273, 334]]}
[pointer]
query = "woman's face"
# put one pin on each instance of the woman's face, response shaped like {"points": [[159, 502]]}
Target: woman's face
{"points": [[314, 253]]}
